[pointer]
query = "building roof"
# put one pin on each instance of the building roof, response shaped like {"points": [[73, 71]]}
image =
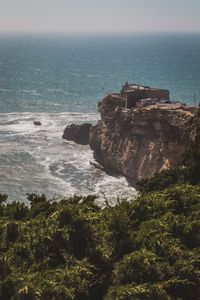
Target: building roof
{"points": [[133, 87]]}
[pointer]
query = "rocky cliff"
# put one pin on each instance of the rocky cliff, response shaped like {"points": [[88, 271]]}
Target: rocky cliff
{"points": [[77, 133], [141, 141]]}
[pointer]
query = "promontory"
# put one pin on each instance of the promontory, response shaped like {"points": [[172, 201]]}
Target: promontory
{"points": [[141, 132]]}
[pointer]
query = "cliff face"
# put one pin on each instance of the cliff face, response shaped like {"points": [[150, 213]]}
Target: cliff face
{"points": [[139, 142]]}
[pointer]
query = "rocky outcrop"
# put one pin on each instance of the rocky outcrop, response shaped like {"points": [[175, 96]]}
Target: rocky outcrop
{"points": [[142, 141], [77, 133], [37, 123]]}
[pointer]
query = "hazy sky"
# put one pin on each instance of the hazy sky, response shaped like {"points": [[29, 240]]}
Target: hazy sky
{"points": [[99, 15]]}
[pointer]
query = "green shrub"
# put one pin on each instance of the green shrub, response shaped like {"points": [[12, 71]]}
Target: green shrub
{"points": [[147, 248]]}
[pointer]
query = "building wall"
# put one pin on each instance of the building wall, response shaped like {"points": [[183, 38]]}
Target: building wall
{"points": [[133, 96], [158, 94]]}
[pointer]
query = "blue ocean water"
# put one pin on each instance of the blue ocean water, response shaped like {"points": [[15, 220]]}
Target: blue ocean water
{"points": [[59, 79], [71, 73]]}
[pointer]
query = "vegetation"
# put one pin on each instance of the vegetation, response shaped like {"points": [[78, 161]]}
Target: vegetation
{"points": [[72, 249], [147, 248]]}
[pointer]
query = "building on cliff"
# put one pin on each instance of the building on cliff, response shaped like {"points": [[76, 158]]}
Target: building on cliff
{"points": [[141, 141], [132, 94]]}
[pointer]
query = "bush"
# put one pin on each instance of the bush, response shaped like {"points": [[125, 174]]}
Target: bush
{"points": [[147, 248]]}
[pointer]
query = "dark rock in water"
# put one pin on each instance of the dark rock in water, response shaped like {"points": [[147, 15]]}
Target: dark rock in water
{"points": [[97, 165], [78, 133], [37, 123]]}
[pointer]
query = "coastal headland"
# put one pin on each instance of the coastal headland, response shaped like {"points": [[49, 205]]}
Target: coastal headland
{"points": [[141, 132]]}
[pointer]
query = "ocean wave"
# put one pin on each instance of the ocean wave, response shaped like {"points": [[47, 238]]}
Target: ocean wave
{"points": [[2, 90], [37, 159], [30, 92]]}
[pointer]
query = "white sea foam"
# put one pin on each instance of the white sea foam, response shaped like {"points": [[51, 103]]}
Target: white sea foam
{"points": [[90, 75], [37, 159], [30, 92], [4, 90]]}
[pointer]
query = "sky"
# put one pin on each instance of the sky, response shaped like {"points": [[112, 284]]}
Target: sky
{"points": [[99, 16]]}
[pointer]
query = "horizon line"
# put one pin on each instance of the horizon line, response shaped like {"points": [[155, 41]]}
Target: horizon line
{"points": [[100, 32]]}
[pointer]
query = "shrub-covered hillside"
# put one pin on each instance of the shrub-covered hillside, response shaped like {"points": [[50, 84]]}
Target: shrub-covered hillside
{"points": [[72, 249]]}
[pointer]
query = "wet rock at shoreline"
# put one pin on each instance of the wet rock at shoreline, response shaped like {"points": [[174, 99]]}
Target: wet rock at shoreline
{"points": [[78, 133], [37, 123]]}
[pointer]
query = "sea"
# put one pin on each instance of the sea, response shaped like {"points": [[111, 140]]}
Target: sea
{"points": [[58, 79]]}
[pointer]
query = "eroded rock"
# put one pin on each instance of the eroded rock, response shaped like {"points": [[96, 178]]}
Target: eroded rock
{"points": [[37, 123], [77, 133], [139, 142]]}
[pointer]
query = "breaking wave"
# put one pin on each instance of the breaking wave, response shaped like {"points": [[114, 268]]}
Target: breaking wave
{"points": [[37, 159]]}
